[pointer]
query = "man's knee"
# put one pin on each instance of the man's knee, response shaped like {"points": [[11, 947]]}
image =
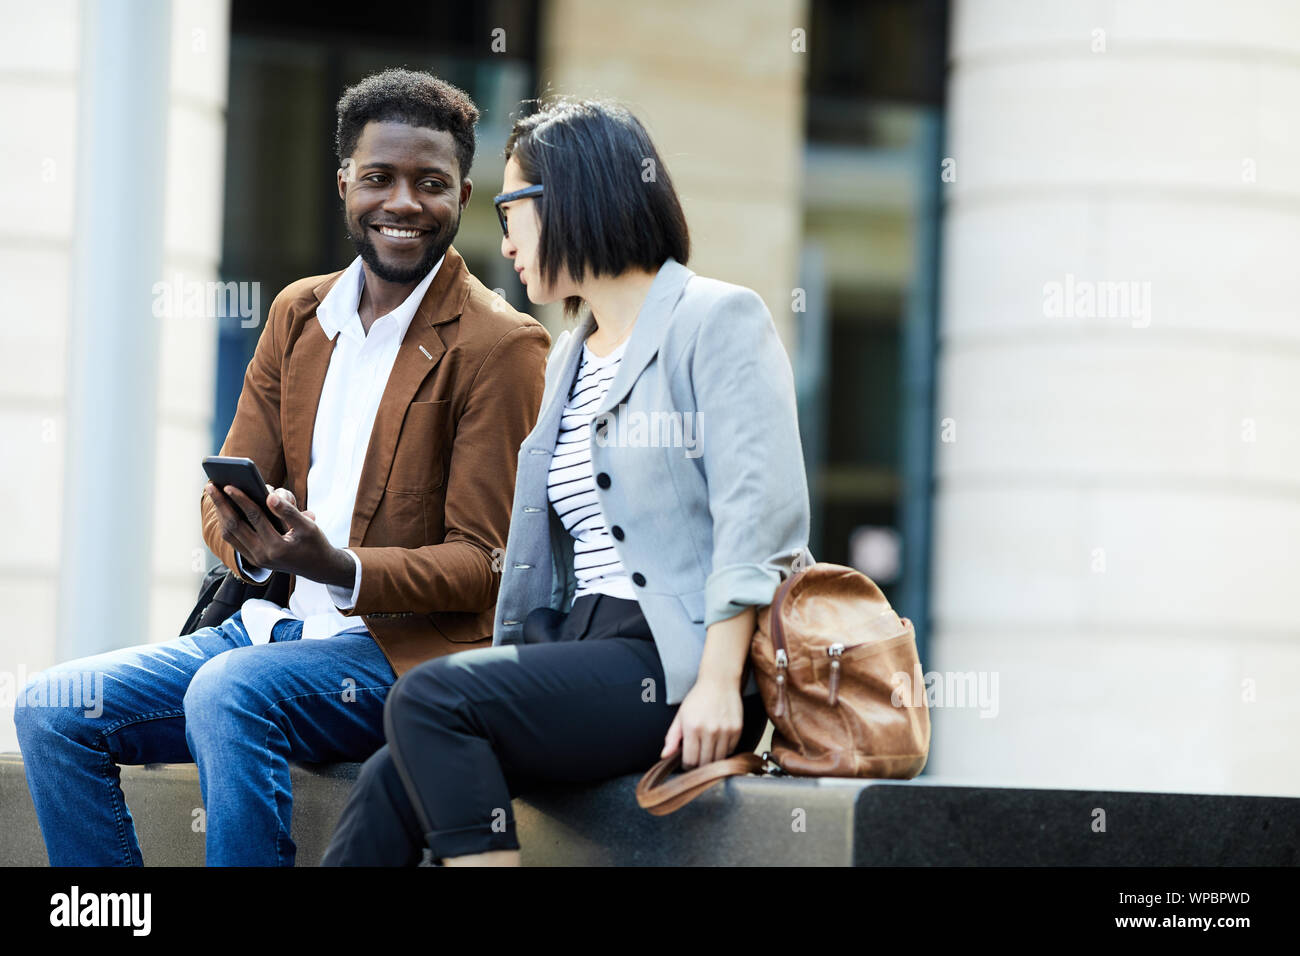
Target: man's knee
{"points": [[30, 719], [58, 703], [221, 687]]}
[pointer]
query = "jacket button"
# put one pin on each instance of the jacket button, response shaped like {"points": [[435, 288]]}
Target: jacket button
{"points": [[603, 480], [638, 579], [617, 532]]}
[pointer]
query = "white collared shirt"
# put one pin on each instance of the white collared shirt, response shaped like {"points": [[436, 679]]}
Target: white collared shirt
{"points": [[349, 400]]}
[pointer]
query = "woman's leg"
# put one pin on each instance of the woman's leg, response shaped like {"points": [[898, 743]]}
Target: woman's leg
{"points": [[479, 723], [378, 826], [465, 726], [460, 728]]}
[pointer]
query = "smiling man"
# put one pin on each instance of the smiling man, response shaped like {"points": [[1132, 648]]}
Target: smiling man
{"points": [[385, 404]]}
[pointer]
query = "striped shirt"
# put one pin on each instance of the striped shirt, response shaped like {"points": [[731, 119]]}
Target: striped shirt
{"points": [[570, 487]]}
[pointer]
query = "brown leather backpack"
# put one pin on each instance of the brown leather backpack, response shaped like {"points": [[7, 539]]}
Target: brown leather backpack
{"points": [[841, 680]]}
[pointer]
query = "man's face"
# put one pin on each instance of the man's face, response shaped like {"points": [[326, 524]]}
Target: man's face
{"points": [[402, 198]]}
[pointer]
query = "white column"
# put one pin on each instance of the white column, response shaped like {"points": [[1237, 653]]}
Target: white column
{"points": [[39, 62], [112, 342], [192, 240], [1118, 487], [115, 149]]}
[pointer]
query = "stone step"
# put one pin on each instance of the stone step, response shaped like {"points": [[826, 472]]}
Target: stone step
{"points": [[754, 821]]}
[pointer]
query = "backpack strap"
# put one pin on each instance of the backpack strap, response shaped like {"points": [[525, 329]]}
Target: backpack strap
{"points": [[660, 793]]}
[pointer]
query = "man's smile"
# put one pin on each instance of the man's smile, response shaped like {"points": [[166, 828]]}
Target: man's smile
{"points": [[400, 235]]}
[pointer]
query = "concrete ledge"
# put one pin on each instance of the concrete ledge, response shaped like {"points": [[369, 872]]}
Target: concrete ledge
{"points": [[758, 822]]}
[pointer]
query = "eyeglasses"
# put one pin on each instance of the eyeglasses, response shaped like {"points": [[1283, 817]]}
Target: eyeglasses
{"points": [[526, 193]]}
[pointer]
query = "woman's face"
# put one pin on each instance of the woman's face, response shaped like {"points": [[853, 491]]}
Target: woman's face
{"points": [[522, 243]]}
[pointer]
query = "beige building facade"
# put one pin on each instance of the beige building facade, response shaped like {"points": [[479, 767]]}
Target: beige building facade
{"points": [[1117, 466], [737, 168]]}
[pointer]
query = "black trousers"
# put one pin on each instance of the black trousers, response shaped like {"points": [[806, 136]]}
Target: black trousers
{"points": [[582, 700]]}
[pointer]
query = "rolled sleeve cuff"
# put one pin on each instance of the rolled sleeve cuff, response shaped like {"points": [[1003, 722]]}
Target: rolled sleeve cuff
{"points": [[728, 591], [256, 575], [345, 599]]}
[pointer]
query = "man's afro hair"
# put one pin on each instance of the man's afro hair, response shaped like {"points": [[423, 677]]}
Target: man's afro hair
{"points": [[406, 96]]}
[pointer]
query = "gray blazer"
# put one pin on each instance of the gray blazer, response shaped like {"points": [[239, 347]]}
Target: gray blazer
{"points": [[698, 467]]}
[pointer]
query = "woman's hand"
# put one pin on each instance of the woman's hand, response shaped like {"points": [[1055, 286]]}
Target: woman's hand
{"points": [[711, 718], [708, 723]]}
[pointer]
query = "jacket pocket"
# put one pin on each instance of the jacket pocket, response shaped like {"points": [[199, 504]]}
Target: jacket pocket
{"points": [[459, 627], [418, 459], [693, 602]]}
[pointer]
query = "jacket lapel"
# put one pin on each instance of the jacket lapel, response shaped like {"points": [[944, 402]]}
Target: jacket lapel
{"points": [[417, 357], [548, 417], [653, 317]]}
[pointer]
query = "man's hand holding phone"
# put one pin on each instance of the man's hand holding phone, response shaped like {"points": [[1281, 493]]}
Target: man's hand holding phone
{"points": [[302, 549]]}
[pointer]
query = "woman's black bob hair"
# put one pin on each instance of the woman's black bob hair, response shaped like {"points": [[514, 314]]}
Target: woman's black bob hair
{"points": [[609, 203]]}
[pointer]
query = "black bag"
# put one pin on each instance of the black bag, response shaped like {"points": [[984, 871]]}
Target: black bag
{"points": [[222, 594]]}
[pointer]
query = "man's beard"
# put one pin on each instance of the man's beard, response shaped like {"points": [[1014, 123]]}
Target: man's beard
{"points": [[365, 247]]}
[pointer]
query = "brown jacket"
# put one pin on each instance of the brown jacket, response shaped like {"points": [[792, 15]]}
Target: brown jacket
{"points": [[433, 505]]}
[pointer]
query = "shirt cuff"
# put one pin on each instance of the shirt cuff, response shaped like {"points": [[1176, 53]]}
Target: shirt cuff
{"points": [[257, 577], [260, 617], [345, 599]]}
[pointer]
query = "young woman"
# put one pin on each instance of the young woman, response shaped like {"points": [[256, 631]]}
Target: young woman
{"points": [[659, 501]]}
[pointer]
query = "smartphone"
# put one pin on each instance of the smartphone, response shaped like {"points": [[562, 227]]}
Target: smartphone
{"points": [[242, 473]]}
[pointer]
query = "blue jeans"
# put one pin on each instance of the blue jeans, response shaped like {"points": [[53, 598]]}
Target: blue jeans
{"points": [[241, 712]]}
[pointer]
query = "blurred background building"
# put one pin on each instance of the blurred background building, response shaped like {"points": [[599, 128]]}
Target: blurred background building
{"points": [[1031, 259]]}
